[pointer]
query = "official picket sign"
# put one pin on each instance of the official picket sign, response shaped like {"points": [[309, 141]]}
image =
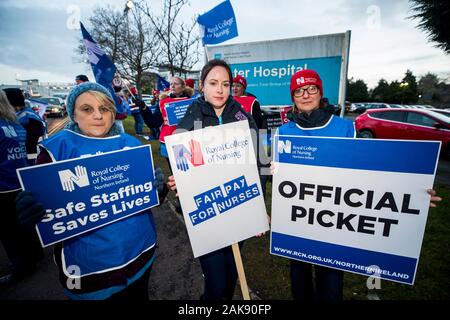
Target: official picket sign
{"points": [[357, 205], [176, 110], [218, 184], [86, 193]]}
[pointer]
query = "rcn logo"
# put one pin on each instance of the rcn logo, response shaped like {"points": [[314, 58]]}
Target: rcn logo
{"points": [[284, 146], [69, 179], [183, 155]]}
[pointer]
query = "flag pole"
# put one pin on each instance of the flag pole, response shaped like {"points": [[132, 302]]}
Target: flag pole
{"points": [[240, 270], [126, 86]]}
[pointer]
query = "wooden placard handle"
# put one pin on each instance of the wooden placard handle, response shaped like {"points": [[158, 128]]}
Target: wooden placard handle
{"points": [[240, 270]]}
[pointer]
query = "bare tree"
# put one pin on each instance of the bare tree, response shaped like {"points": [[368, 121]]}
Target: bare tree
{"points": [[141, 48], [128, 38], [179, 40], [138, 41], [106, 27]]}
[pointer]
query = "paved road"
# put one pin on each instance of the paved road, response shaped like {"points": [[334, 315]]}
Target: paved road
{"points": [[56, 124]]}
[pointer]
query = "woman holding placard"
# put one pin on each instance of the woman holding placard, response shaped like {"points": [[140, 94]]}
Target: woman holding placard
{"points": [[214, 108], [113, 261], [309, 118]]}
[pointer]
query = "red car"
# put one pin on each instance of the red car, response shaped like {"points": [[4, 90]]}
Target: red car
{"points": [[408, 124]]}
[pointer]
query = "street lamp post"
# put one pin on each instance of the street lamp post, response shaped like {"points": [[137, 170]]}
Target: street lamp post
{"points": [[403, 86], [128, 6]]}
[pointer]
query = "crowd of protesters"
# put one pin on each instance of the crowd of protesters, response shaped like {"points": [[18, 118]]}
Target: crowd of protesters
{"points": [[116, 259]]}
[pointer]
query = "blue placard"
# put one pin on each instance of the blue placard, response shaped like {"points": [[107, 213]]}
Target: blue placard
{"points": [[213, 202], [366, 154], [176, 110], [218, 24], [86, 193]]}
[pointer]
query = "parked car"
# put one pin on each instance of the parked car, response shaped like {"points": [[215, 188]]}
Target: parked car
{"points": [[398, 106], [372, 105], [408, 124], [442, 111], [56, 107], [356, 105], [62, 96]]}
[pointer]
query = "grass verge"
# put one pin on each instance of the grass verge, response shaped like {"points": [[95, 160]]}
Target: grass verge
{"points": [[268, 275]]}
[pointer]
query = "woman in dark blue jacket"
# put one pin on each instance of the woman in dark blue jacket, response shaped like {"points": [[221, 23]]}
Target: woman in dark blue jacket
{"points": [[215, 107]]}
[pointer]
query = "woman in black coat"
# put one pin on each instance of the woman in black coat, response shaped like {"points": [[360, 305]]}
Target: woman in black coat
{"points": [[215, 107]]}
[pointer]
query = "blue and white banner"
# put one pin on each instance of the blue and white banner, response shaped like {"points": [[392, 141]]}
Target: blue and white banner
{"points": [[352, 204], [176, 110], [102, 67], [40, 106], [218, 24], [86, 193], [161, 83], [218, 184]]}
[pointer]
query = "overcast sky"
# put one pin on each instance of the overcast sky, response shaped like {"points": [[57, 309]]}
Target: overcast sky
{"points": [[38, 37]]}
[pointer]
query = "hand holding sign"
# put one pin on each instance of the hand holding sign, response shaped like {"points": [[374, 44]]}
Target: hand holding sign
{"points": [[29, 211], [433, 198]]}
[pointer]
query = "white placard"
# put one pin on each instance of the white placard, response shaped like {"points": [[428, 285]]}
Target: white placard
{"points": [[218, 184]]}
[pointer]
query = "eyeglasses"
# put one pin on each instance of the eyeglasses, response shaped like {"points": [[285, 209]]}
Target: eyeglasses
{"points": [[301, 91]]}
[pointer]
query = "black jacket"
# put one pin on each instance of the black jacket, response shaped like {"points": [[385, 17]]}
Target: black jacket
{"points": [[203, 111]]}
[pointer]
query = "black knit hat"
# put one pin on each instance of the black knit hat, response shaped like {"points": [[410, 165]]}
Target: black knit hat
{"points": [[15, 97], [82, 77]]}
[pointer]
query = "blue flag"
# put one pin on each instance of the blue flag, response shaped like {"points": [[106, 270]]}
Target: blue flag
{"points": [[162, 84], [38, 106], [218, 24], [102, 67]]}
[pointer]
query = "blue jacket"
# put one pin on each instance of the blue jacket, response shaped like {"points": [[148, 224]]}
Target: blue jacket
{"points": [[13, 154], [109, 258]]}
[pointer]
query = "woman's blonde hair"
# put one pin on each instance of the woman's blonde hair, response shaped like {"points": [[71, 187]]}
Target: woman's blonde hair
{"points": [[105, 100], [183, 84], [7, 111]]}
